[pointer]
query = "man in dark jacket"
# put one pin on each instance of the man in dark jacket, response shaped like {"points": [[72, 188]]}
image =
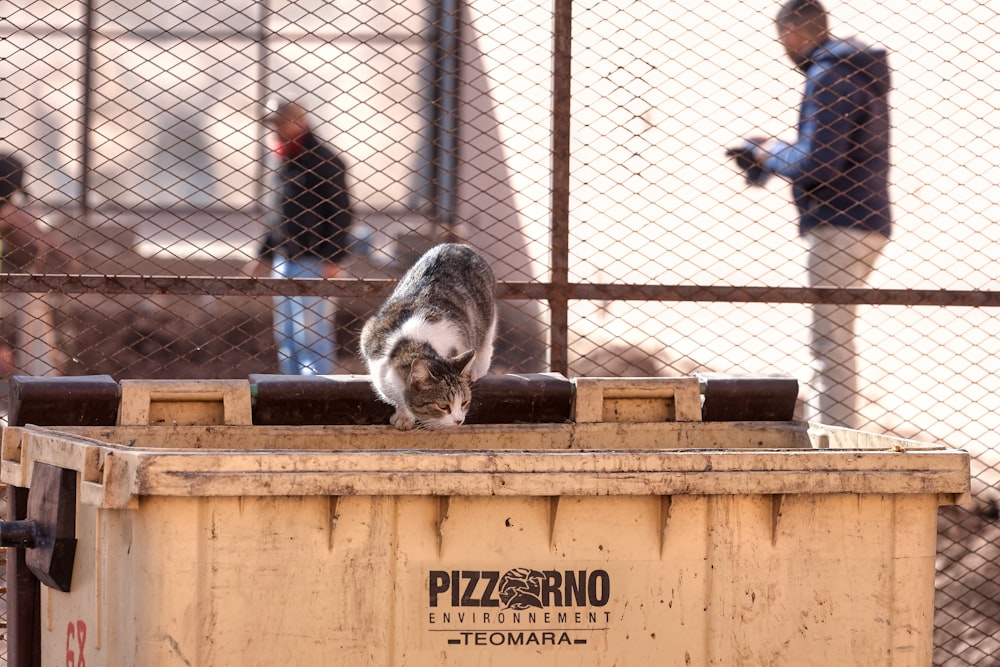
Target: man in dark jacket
{"points": [[309, 235], [838, 167]]}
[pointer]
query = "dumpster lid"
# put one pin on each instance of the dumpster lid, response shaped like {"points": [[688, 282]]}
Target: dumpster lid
{"points": [[116, 474]]}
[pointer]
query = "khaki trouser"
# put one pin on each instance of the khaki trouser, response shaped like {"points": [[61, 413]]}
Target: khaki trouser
{"points": [[838, 257]]}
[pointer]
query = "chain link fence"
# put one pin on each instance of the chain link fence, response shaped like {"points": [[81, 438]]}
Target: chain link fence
{"points": [[579, 146]]}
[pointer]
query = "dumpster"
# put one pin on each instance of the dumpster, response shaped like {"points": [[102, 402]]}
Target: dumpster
{"points": [[613, 525]]}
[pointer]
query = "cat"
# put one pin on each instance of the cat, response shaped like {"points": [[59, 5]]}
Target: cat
{"points": [[433, 337]]}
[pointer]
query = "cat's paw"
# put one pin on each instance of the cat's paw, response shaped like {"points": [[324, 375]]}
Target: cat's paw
{"points": [[402, 421]]}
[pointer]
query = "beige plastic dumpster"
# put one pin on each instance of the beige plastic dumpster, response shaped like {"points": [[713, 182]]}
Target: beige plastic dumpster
{"points": [[610, 540]]}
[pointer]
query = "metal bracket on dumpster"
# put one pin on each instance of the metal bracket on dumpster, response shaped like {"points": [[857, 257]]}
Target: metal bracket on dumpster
{"points": [[184, 403], [637, 400], [49, 531]]}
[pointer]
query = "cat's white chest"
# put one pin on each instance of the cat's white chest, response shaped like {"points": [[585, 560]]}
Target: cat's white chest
{"points": [[442, 336]]}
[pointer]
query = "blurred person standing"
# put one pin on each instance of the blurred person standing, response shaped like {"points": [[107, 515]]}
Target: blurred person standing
{"points": [[18, 252], [308, 237], [26, 247], [18, 229], [838, 167]]}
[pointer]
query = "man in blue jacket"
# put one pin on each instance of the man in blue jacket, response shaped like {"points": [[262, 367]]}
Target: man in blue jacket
{"points": [[838, 167], [308, 237]]}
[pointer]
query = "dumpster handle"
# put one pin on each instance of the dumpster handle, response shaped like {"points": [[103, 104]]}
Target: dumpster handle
{"points": [[19, 534], [48, 534]]}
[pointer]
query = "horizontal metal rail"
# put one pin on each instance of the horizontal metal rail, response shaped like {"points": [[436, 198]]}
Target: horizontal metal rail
{"points": [[380, 288]]}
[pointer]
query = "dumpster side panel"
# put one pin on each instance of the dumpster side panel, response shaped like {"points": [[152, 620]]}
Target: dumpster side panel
{"points": [[264, 570], [816, 580], [559, 581], [230, 581], [93, 623], [798, 581], [795, 581], [914, 534]]}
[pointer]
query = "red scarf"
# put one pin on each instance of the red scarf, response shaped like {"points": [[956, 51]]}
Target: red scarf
{"points": [[291, 148]]}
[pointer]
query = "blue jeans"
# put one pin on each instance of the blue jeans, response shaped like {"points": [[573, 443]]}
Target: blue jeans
{"points": [[303, 325]]}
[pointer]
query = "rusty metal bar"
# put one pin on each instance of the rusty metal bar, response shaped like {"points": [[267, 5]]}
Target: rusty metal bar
{"points": [[86, 154], [265, 287], [802, 295], [191, 285], [24, 633], [558, 295]]}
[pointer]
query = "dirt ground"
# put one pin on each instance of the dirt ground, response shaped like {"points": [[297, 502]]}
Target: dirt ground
{"points": [[967, 601]]}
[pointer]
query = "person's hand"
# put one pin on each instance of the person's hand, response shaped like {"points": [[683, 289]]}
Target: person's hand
{"points": [[331, 271], [744, 157], [747, 161]]}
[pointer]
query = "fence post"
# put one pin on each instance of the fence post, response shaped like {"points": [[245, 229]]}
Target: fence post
{"points": [[561, 100]]}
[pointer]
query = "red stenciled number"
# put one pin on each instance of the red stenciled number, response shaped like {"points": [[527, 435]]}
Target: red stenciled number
{"points": [[70, 656], [81, 637], [76, 631]]}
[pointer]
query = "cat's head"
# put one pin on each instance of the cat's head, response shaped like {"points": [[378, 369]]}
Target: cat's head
{"points": [[438, 390]]}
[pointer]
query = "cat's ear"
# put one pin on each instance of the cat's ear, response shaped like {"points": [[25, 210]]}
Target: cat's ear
{"points": [[420, 375], [463, 362]]}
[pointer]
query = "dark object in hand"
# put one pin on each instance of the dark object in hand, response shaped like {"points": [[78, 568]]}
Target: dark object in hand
{"points": [[746, 162]]}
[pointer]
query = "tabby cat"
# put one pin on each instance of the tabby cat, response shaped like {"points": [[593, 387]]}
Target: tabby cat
{"points": [[433, 337]]}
